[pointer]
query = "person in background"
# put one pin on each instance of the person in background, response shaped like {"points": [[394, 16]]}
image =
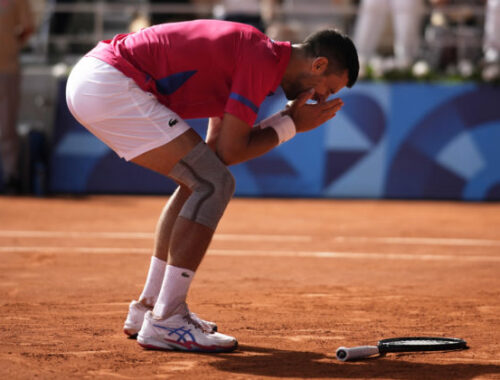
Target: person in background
{"points": [[16, 26], [246, 12], [406, 21], [492, 31], [300, 18], [139, 21], [457, 35]]}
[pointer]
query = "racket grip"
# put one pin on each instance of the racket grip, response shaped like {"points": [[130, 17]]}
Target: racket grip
{"points": [[345, 353]]}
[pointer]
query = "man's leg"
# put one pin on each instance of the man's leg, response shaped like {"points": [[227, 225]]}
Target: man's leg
{"points": [[164, 229], [156, 272], [167, 221], [186, 241], [161, 160], [182, 240], [202, 173], [181, 256], [212, 186], [163, 234]]}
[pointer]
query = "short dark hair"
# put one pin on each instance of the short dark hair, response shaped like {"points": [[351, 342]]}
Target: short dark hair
{"points": [[338, 49]]}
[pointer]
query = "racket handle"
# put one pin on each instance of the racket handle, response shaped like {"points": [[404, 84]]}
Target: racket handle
{"points": [[345, 353]]}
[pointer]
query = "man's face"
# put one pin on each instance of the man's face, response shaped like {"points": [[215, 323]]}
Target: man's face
{"points": [[324, 85]]}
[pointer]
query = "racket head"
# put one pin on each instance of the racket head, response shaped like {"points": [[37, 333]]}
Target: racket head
{"points": [[420, 343]]}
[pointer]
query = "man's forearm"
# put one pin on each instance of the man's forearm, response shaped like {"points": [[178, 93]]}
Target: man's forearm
{"points": [[259, 142]]}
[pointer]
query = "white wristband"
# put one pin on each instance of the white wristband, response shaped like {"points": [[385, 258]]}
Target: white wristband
{"points": [[283, 125]]}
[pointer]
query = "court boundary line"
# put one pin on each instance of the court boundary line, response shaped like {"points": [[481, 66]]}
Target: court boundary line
{"points": [[256, 253], [144, 235], [391, 240]]}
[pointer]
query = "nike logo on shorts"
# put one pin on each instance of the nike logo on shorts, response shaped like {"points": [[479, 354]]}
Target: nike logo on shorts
{"points": [[172, 122]]}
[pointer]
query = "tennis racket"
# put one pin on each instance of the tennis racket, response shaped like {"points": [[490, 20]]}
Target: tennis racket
{"points": [[405, 344]]}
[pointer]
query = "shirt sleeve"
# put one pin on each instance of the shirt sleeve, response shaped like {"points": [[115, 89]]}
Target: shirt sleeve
{"points": [[252, 81]]}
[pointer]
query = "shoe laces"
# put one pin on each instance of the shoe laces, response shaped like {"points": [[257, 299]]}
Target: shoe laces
{"points": [[194, 320], [206, 327]]}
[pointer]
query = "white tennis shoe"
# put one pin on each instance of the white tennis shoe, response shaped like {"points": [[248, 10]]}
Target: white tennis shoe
{"points": [[135, 317], [181, 332]]}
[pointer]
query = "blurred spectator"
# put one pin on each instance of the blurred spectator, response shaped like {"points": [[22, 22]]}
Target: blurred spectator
{"points": [[16, 26], [406, 21], [453, 35], [139, 21], [492, 32], [246, 12], [160, 18], [300, 18]]}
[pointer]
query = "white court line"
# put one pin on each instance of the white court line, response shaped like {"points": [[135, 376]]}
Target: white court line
{"points": [[354, 255], [146, 235], [257, 237], [419, 241], [260, 253], [75, 234]]}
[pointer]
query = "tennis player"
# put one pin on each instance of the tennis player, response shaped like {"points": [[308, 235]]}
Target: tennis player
{"points": [[135, 91]]}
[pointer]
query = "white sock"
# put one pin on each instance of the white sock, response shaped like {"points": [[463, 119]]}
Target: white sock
{"points": [[174, 290], [153, 282]]}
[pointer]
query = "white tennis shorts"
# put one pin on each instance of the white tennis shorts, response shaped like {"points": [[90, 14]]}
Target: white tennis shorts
{"points": [[112, 107]]}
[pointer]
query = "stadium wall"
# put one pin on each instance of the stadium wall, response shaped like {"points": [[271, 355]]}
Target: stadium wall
{"points": [[391, 140]]}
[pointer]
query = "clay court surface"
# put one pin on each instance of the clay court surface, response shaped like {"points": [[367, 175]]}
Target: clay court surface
{"points": [[291, 279]]}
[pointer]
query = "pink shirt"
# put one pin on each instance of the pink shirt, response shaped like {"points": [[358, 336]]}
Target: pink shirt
{"points": [[201, 68]]}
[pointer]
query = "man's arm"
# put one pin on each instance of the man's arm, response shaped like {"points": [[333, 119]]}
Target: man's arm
{"points": [[238, 142], [213, 130]]}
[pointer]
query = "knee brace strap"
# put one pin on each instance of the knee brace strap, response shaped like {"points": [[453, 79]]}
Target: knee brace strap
{"points": [[210, 181]]}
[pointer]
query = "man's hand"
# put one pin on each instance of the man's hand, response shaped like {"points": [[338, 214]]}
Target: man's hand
{"points": [[309, 116], [235, 141]]}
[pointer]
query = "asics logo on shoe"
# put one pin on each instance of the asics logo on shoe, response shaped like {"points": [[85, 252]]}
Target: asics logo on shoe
{"points": [[172, 122], [180, 332]]}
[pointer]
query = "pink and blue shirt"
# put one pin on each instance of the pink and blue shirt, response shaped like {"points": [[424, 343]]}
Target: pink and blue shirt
{"points": [[201, 68]]}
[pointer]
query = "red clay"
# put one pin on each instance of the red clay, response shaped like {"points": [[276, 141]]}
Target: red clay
{"points": [[349, 273]]}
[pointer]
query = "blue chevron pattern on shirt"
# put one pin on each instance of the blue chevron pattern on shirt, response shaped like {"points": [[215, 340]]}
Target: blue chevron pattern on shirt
{"points": [[169, 84]]}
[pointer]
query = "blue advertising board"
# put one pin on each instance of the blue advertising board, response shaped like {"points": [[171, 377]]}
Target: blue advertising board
{"points": [[390, 140]]}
